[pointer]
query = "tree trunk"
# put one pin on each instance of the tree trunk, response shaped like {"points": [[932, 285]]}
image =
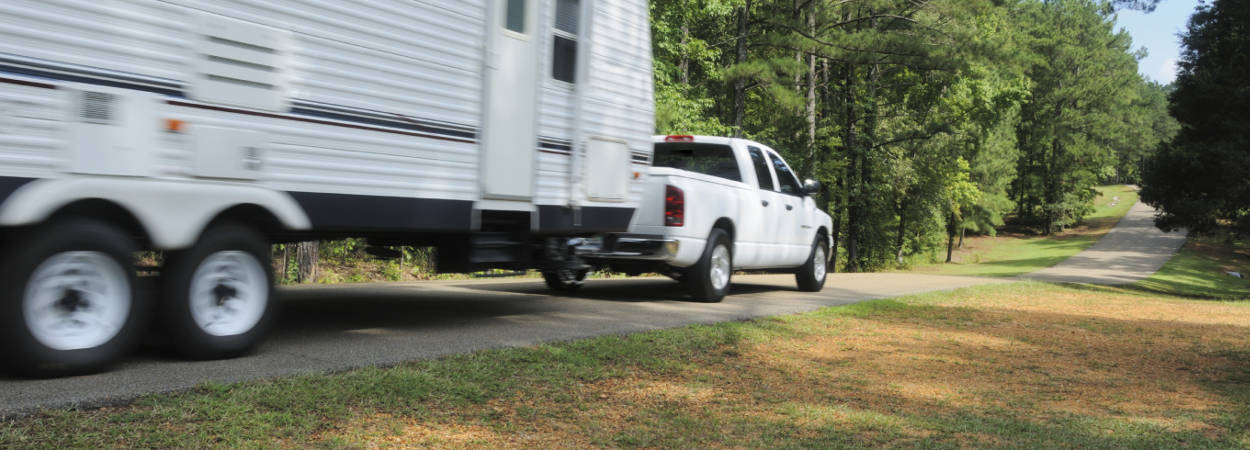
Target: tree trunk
{"points": [[853, 181], [811, 94], [950, 245], [950, 237], [683, 64], [902, 228], [740, 85], [286, 263], [837, 228], [961, 237], [306, 255]]}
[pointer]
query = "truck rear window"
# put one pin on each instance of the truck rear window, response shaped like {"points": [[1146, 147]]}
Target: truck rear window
{"points": [[710, 159]]}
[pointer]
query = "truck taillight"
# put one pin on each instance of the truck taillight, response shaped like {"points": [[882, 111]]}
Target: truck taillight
{"points": [[674, 207], [679, 138]]}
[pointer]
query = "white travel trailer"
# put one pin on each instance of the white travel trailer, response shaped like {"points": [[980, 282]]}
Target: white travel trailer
{"points": [[208, 129]]}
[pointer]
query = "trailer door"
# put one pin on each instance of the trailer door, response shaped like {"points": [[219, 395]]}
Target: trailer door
{"points": [[508, 139]]}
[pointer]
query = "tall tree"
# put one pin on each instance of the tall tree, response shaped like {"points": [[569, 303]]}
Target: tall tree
{"points": [[1083, 77], [1200, 179]]}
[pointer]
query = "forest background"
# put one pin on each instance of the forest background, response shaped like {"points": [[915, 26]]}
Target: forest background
{"points": [[924, 120]]}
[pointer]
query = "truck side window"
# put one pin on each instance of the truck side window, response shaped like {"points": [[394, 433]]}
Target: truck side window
{"points": [[789, 184], [761, 168], [709, 159]]}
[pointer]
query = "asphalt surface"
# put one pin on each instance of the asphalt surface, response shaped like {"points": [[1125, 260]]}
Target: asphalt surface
{"points": [[335, 328], [1130, 252]]}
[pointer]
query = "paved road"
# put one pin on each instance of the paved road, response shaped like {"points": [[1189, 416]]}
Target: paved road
{"points": [[1132, 251], [331, 328]]}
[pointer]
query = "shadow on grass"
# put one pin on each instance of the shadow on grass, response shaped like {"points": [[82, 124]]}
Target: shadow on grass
{"points": [[1004, 268], [1192, 291], [1062, 388]]}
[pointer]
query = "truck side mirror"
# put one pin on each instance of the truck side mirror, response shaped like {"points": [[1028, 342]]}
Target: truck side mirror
{"points": [[811, 187]]}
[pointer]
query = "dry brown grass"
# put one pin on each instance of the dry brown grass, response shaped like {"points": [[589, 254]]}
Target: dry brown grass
{"points": [[909, 374]]}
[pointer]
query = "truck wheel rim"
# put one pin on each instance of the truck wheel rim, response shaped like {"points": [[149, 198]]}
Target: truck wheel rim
{"points": [[570, 277], [229, 293], [720, 267], [77, 300], [818, 264]]}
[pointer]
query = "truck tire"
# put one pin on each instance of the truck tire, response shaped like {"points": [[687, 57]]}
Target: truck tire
{"points": [[709, 278], [565, 280], [811, 275], [217, 296], [71, 299]]}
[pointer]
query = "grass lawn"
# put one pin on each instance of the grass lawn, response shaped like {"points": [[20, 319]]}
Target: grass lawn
{"points": [[1199, 270], [1014, 365], [1010, 254]]}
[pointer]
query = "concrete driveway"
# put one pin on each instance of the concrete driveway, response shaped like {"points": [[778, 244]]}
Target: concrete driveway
{"points": [[1130, 252]]}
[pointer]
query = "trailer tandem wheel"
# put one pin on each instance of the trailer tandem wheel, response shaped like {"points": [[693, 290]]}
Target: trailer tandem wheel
{"points": [[218, 295], [70, 300]]}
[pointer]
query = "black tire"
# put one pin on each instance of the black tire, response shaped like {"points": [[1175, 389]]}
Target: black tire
{"points": [[565, 280], [227, 248], [811, 275], [98, 257], [700, 277]]}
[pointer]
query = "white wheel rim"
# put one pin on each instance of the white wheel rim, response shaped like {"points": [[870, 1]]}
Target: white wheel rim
{"points": [[77, 300], [229, 292], [570, 277], [720, 267], [818, 264]]}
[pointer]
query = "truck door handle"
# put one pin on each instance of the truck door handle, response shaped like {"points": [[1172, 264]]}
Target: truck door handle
{"points": [[789, 207], [764, 202]]}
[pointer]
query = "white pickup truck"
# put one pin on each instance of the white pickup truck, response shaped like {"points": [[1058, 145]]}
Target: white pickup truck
{"points": [[713, 205]]}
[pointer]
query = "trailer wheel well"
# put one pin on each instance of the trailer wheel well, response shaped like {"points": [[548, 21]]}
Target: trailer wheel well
{"points": [[104, 210], [251, 215]]}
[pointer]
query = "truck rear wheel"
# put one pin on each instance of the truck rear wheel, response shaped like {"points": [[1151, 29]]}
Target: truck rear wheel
{"points": [[811, 275], [709, 278], [218, 295], [565, 280], [71, 299]]}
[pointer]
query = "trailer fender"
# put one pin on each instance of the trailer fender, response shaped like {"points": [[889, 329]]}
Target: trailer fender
{"points": [[173, 213]]}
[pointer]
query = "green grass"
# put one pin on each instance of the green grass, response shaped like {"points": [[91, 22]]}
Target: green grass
{"points": [[1016, 365], [1017, 254], [1199, 270]]}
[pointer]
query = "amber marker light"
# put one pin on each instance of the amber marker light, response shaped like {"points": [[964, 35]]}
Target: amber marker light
{"points": [[174, 125]]}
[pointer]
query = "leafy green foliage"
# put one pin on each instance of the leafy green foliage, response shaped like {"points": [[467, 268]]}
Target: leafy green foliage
{"points": [[1082, 80], [1200, 178], [923, 119]]}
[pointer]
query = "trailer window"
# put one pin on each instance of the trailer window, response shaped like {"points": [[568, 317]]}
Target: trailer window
{"points": [[564, 47], [515, 16], [709, 159]]}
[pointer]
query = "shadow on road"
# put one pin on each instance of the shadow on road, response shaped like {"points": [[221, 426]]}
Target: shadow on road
{"points": [[622, 289]]}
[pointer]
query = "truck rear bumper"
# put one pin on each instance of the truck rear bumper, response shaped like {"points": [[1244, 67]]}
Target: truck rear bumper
{"points": [[634, 247]]}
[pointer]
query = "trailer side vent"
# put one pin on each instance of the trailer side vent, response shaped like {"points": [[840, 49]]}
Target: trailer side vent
{"points": [[240, 63], [97, 107]]}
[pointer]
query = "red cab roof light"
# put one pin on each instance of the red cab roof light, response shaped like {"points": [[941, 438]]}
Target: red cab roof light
{"points": [[679, 138]]}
